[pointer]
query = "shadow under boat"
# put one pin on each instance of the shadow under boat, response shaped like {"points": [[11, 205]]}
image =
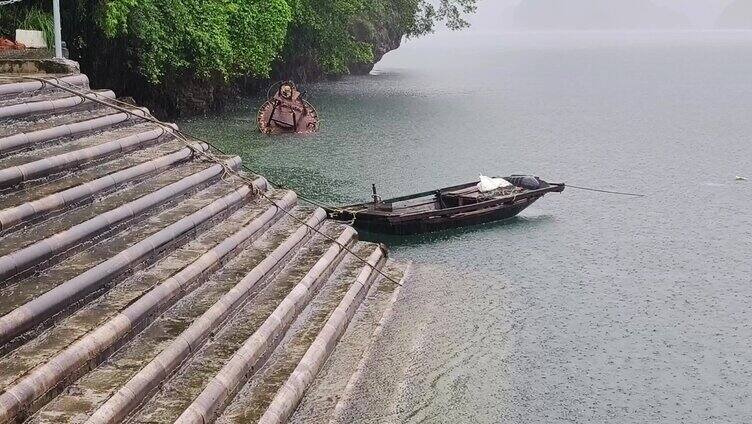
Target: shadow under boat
{"points": [[446, 208], [518, 224]]}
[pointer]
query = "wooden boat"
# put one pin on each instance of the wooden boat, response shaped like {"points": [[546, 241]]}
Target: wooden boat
{"points": [[449, 207], [287, 112]]}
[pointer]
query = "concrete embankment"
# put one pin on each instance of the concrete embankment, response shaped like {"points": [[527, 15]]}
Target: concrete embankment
{"points": [[142, 282]]}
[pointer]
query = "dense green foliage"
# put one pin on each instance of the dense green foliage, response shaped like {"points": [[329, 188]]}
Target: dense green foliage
{"points": [[340, 33], [187, 56], [232, 37], [27, 15], [38, 19], [452, 12], [227, 37], [320, 29]]}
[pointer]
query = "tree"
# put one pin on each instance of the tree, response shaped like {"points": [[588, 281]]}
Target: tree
{"points": [[451, 12], [208, 38], [185, 55]]}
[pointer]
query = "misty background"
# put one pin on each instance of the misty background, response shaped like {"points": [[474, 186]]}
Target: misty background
{"points": [[544, 15]]}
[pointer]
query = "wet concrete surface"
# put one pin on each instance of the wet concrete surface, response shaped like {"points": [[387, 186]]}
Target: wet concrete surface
{"points": [[20, 292], [33, 96], [34, 190], [102, 382], [253, 399], [70, 144], [329, 388], [95, 371], [26, 124], [98, 311], [181, 389]]}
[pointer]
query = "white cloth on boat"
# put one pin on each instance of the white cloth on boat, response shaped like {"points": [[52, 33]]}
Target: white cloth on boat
{"points": [[487, 184]]}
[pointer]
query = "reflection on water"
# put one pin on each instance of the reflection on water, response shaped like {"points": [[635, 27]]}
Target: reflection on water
{"points": [[521, 223], [588, 308]]}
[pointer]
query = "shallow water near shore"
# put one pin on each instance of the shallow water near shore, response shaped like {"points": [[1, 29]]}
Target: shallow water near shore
{"points": [[587, 308]]}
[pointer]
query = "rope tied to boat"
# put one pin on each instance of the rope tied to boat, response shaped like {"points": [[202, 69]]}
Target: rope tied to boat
{"points": [[185, 138], [619, 193]]}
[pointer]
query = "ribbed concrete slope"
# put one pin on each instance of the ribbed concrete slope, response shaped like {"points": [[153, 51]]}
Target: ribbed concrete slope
{"points": [[141, 282]]}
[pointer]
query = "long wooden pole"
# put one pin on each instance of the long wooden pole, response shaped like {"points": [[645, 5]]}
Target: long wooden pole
{"points": [[58, 36]]}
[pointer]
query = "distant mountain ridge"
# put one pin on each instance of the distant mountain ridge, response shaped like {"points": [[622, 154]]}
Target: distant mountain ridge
{"points": [[596, 15], [737, 15]]}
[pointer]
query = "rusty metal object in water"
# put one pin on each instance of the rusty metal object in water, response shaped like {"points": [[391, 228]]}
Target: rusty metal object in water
{"points": [[287, 112]]}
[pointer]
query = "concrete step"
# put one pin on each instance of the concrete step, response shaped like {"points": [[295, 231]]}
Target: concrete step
{"points": [[16, 89], [257, 394], [98, 311], [65, 236], [29, 132], [330, 396], [64, 199], [188, 382], [43, 94], [112, 378], [141, 282], [33, 300], [53, 194], [44, 381], [30, 124], [77, 153], [291, 391], [52, 103]]}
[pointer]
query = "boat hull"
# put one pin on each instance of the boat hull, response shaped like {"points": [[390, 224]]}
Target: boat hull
{"points": [[440, 223], [443, 209], [287, 112]]}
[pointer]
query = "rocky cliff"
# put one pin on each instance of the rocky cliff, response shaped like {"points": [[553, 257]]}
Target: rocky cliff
{"points": [[383, 40]]}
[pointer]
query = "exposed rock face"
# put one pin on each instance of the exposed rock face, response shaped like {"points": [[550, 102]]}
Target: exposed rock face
{"points": [[595, 15], [38, 66], [383, 41], [304, 68], [737, 15]]}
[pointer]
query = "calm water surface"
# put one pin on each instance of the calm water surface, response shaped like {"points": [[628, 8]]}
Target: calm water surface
{"points": [[588, 308]]}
